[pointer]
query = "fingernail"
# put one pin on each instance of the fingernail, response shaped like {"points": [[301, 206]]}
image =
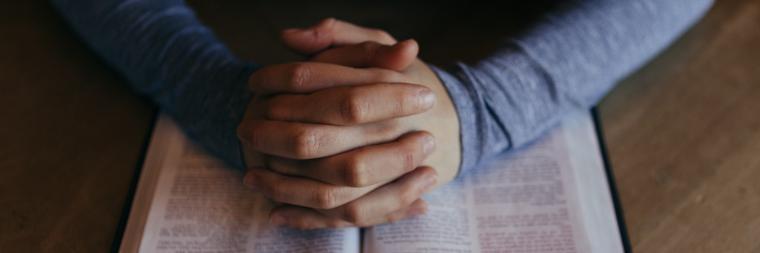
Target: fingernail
{"points": [[429, 144], [249, 181], [426, 98], [276, 219]]}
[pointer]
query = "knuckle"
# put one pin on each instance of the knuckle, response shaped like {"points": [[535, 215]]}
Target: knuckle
{"points": [[305, 143], [353, 109], [298, 75], [408, 194], [354, 213], [354, 172], [408, 160], [325, 198]]}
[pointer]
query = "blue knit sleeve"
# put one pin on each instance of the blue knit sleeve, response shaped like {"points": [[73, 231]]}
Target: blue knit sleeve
{"points": [[567, 61], [168, 55]]}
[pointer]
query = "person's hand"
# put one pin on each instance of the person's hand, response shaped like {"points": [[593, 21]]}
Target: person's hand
{"points": [[338, 42], [322, 121], [368, 167]]}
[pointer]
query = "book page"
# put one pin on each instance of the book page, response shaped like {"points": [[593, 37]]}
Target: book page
{"points": [[527, 201], [195, 204], [594, 194]]}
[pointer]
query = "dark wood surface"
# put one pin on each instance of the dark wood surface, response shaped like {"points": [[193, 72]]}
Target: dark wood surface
{"points": [[684, 139], [683, 133]]}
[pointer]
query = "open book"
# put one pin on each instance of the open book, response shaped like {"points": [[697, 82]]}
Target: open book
{"points": [[552, 196]]}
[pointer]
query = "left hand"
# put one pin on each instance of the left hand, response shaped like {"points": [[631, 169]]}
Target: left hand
{"points": [[359, 46], [338, 42]]}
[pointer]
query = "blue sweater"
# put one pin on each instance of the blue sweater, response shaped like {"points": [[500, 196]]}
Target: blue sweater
{"points": [[566, 61]]}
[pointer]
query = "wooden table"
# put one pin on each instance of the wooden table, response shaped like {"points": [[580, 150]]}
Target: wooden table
{"points": [[683, 133]]}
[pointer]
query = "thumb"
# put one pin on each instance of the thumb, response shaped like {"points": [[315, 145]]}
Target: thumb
{"points": [[371, 54], [331, 32]]}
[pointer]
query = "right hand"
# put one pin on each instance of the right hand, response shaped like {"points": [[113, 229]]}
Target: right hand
{"points": [[342, 120]]}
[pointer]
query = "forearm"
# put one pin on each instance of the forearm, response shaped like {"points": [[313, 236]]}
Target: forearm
{"points": [[567, 61], [167, 54]]}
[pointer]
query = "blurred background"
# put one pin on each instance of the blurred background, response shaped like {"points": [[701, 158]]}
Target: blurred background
{"points": [[683, 133]]}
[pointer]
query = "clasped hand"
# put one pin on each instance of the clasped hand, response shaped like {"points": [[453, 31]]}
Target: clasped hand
{"points": [[352, 137]]}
